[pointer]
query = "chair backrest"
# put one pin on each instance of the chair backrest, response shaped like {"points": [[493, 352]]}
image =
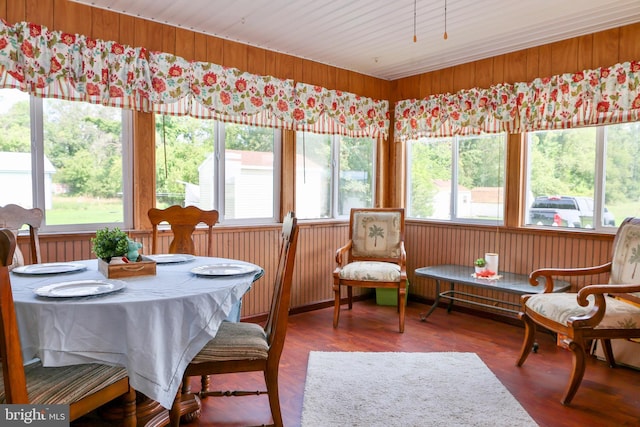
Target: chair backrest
{"points": [[14, 217], [625, 262], [183, 222], [277, 320], [15, 383], [376, 234]]}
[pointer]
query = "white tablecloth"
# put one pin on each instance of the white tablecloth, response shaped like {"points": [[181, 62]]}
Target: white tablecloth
{"points": [[153, 327]]}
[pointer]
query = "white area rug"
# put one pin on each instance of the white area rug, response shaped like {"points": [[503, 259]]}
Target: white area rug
{"points": [[406, 389]]}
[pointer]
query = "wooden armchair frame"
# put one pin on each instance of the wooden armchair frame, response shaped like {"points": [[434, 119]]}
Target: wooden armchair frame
{"points": [[346, 255], [580, 329]]}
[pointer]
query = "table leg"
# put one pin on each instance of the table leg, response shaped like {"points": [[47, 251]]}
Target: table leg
{"points": [[150, 413], [450, 306], [423, 316]]}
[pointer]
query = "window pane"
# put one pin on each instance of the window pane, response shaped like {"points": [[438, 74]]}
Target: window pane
{"points": [[562, 178], [249, 172], [622, 174], [83, 163], [429, 184], [15, 149], [313, 175], [185, 162], [481, 163], [355, 189]]}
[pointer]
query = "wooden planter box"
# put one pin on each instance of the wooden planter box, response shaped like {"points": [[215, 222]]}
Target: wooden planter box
{"points": [[145, 267]]}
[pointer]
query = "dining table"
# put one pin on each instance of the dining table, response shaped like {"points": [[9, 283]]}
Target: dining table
{"points": [[70, 313]]}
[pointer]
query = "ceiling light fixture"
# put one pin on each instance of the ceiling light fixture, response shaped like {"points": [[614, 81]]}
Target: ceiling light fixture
{"points": [[445, 19], [415, 39]]}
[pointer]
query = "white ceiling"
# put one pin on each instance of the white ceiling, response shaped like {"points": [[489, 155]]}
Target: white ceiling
{"points": [[375, 37]]}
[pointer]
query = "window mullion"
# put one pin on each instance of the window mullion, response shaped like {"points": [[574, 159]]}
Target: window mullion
{"points": [[37, 154], [219, 176], [600, 176], [455, 146]]}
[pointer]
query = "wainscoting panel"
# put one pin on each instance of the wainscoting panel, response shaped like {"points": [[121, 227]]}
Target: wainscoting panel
{"points": [[427, 243]]}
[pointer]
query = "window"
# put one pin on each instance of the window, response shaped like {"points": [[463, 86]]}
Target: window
{"points": [[68, 158], [457, 178], [224, 166], [333, 174], [586, 178]]}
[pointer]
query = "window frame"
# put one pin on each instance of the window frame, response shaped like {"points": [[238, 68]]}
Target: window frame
{"points": [[334, 164], [219, 183], [599, 185], [454, 178], [36, 128]]}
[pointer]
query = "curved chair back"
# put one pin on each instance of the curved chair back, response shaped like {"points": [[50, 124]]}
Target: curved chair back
{"points": [[14, 217], [183, 222]]}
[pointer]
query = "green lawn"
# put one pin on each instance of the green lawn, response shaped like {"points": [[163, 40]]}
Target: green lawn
{"points": [[84, 210]]}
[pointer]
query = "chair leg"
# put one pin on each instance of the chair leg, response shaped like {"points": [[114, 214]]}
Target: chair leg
{"points": [[350, 296], [401, 309], [174, 412], [579, 356], [336, 305], [204, 384], [271, 380], [529, 335], [129, 409], [608, 352]]}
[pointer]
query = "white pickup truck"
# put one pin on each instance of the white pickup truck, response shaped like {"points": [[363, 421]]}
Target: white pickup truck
{"points": [[565, 211]]}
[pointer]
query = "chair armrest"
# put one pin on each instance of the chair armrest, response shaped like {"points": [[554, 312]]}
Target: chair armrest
{"points": [[343, 250], [548, 274], [599, 292]]}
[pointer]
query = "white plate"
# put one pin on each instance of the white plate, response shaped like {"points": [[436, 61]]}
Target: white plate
{"points": [[223, 269], [80, 288], [170, 258], [50, 268]]}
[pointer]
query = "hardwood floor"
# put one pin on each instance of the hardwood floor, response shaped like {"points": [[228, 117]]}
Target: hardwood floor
{"points": [[607, 397]]}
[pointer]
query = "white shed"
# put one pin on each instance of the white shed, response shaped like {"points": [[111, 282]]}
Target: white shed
{"points": [[15, 168]]}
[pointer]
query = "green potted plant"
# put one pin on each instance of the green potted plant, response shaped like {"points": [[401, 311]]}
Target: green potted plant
{"points": [[110, 243], [480, 264]]}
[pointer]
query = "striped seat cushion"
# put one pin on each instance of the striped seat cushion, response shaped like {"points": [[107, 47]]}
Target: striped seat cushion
{"points": [[67, 384], [235, 341]]}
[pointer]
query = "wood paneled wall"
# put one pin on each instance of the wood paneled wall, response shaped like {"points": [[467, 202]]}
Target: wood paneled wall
{"points": [[567, 56], [521, 251]]}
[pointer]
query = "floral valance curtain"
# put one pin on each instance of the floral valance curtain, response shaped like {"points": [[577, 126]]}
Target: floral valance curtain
{"points": [[602, 96], [74, 67]]}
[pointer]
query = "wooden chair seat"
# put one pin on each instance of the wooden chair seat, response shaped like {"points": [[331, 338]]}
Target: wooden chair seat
{"points": [[235, 341], [564, 308], [67, 384], [371, 271]]}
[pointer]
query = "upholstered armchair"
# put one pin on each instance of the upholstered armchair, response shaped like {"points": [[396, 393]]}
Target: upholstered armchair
{"points": [[598, 311], [374, 257]]}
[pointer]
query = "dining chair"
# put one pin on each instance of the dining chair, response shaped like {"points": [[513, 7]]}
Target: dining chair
{"points": [[82, 387], [250, 347], [596, 312], [13, 217], [373, 257], [183, 222]]}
